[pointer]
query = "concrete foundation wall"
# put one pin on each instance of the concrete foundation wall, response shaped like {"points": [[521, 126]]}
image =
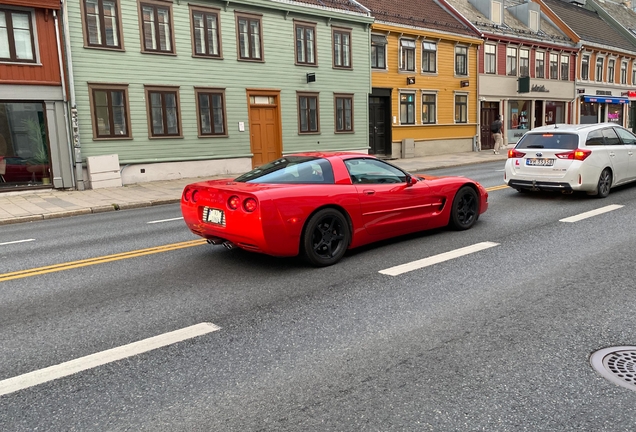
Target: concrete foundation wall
{"points": [[434, 147]]}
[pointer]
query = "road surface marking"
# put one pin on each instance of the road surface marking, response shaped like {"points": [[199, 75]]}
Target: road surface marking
{"points": [[591, 213], [435, 259], [165, 220], [17, 241], [71, 367], [494, 188], [97, 260]]}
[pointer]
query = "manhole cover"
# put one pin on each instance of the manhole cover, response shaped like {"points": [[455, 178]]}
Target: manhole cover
{"points": [[617, 364]]}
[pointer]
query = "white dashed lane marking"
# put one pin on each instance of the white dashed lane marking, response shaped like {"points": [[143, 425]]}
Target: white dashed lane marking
{"points": [[17, 241], [165, 220], [101, 358], [435, 259], [591, 213]]}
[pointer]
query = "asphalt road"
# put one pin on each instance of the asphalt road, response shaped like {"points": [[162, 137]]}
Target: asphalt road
{"points": [[496, 340]]}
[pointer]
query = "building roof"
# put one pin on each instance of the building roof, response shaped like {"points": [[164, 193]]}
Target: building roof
{"points": [[424, 14], [511, 27], [338, 5], [590, 27], [620, 12]]}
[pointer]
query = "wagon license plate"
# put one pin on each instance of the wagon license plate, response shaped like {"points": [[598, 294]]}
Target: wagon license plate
{"points": [[213, 215], [539, 162]]}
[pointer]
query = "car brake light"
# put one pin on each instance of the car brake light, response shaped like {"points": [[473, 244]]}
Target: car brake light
{"points": [[578, 154], [195, 194], [234, 202], [512, 153], [187, 194], [250, 205]]}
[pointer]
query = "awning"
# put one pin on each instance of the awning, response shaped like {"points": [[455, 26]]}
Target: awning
{"points": [[603, 99]]}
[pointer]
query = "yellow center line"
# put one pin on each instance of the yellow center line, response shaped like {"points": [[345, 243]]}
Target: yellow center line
{"points": [[97, 260], [494, 188]]}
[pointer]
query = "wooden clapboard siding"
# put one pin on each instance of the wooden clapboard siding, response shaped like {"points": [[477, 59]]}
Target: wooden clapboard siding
{"points": [[444, 83], [277, 72], [47, 71]]}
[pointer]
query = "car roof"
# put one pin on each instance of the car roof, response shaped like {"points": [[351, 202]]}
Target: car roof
{"points": [[334, 154], [573, 128]]}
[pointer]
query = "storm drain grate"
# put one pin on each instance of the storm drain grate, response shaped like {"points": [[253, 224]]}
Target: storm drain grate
{"points": [[617, 364]]}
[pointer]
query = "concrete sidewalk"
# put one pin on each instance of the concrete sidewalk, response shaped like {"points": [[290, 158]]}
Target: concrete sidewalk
{"points": [[33, 205]]}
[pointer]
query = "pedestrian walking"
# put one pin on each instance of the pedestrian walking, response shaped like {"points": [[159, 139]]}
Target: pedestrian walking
{"points": [[496, 128]]}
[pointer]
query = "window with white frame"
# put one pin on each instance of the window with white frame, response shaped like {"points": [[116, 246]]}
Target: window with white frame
{"points": [[634, 73], [599, 69], [511, 61], [624, 72], [429, 103], [554, 66], [524, 63], [539, 64], [378, 51], [461, 60], [490, 59], [16, 36], [407, 55], [461, 108], [610, 70], [585, 67], [565, 67], [407, 108], [429, 57]]}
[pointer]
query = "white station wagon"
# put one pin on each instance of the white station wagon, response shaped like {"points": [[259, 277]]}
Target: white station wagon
{"points": [[592, 158]]}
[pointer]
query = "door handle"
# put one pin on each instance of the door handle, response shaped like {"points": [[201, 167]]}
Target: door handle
{"points": [[368, 191], [630, 153], [612, 154]]}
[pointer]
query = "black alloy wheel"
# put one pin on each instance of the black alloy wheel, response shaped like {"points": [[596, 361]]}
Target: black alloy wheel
{"points": [[326, 238], [465, 210], [604, 184]]}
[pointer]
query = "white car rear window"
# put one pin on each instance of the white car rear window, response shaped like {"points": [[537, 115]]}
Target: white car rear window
{"points": [[560, 141]]}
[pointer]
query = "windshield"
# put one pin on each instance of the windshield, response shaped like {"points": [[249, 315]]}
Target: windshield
{"points": [[291, 169], [560, 141]]}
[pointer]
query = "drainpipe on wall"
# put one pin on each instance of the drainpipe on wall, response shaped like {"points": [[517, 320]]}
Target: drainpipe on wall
{"points": [[63, 78], [477, 143], [77, 156]]}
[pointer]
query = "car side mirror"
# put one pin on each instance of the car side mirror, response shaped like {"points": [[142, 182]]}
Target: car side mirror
{"points": [[410, 180]]}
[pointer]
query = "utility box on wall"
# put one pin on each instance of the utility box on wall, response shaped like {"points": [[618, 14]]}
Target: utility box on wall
{"points": [[103, 171], [408, 148]]}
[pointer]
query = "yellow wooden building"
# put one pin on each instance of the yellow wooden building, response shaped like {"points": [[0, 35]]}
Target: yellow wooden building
{"points": [[424, 71]]}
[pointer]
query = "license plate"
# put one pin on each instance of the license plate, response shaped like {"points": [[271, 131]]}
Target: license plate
{"points": [[539, 162], [213, 215]]}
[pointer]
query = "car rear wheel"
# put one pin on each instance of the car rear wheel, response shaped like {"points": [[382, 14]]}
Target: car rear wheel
{"points": [[465, 210], [604, 184], [326, 238]]}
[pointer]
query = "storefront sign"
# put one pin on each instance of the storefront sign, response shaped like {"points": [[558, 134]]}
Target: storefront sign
{"points": [[540, 89], [631, 94], [603, 92]]}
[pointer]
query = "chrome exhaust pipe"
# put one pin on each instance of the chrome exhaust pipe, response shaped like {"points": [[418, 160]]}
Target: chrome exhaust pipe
{"points": [[229, 245], [215, 241]]}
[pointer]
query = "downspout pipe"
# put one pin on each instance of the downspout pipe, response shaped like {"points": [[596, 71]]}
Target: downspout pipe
{"points": [[77, 148], [63, 78]]}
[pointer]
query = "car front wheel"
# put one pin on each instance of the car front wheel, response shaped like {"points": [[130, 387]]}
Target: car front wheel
{"points": [[326, 238], [465, 208]]}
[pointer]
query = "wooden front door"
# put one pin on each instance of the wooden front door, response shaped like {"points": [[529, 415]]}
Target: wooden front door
{"points": [[378, 137], [489, 112], [265, 127]]}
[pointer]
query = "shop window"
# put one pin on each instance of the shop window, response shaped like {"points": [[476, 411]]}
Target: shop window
{"points": [[24, 155], [615, 113], [554, 112], [589, 112], [517, 119]]}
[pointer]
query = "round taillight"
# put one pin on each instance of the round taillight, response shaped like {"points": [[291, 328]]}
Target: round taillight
{"points": [[234, 202], [195, 196], [250, 205], [187, 194]]}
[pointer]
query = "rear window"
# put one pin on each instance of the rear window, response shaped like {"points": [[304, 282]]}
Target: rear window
{"points": [[559, 141], [291, 169]]}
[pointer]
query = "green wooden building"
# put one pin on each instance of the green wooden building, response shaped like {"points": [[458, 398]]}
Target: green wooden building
{"points": [[182, 89]]}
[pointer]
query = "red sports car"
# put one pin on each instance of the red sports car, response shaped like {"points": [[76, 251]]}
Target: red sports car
{"points": [[321, 204]]}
